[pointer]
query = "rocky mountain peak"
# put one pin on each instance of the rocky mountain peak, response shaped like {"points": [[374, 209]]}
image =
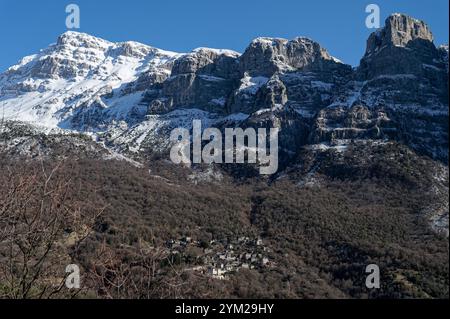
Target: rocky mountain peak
{"points": [[403, 29], [404, 46], [400, 31], [92, 85], [201, 60], [266, 56], [78, 39]]}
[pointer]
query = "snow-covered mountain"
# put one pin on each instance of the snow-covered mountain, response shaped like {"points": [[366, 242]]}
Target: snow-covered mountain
{"points": [[76, 73], [362, 177], [130, 96]]}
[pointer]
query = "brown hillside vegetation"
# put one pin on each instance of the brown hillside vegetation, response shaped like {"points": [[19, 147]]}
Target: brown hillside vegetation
{"points": [[114, 219]]}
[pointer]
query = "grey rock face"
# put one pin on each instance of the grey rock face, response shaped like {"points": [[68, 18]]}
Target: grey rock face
{"points": [[443, 51], [398, 92], [147, 79], [266, 56], [55, 68], [206, 61], [400, 30], [401, 47], [357, 122], [273, 94], [405, 73], [202, 79]]}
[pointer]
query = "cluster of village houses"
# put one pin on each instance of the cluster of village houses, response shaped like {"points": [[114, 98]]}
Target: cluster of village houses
{"points": [[224, 257]]}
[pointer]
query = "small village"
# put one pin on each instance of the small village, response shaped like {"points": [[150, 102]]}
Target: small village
{"points": [[220, 258]]}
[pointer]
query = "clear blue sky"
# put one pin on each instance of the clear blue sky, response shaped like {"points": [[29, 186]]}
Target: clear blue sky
{"points": [[182, 25]]}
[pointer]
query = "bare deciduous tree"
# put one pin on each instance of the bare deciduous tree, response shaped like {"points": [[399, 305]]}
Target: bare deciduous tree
{"points": [[39, 222]]}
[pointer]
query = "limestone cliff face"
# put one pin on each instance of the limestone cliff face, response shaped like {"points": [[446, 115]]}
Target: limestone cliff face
{"points": [[403, 46], [266, 56], [398, 92], [407, 76], [400, 30]]}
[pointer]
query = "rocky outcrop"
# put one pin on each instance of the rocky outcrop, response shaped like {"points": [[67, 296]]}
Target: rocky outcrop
{"points": [[205, 61], [403, 46], [400, 31], [398, 92], [266, 56], [357, 122], [406, 74], [202, 79], [273, 95]]}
